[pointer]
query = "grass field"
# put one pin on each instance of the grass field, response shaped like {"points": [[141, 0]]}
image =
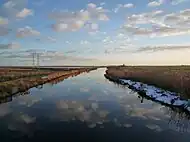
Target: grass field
{"points": [[172, 78], [14, 80]]}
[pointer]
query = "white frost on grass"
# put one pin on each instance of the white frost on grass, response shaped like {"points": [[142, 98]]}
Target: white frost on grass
{"points": [[27, 119], [158, 94], [127, 125], [44, 77], [154, 127], [92, 125]]}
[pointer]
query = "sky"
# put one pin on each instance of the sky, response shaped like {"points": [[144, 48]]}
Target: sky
{"points": [[95, 32]]}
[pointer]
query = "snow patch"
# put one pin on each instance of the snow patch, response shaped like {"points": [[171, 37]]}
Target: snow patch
{"points": [[163, 96]]}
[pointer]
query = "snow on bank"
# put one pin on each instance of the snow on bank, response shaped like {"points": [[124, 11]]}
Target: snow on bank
{"points": [[157, 94]]}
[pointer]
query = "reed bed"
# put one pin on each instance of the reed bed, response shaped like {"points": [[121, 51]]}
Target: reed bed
{"points": [[11, 87], [172, 78]]}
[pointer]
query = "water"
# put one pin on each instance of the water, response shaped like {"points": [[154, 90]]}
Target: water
{"points": [[89, 107]]}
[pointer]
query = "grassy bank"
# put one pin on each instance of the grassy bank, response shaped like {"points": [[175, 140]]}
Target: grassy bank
{"points": [[172, 78], [11, 87]]}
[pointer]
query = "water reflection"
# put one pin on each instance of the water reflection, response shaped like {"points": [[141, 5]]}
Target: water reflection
{"points": [[93, 107], [10, 98]]}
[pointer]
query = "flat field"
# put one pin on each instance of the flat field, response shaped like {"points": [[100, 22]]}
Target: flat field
{"points": [[172, 78], [14, 80]]}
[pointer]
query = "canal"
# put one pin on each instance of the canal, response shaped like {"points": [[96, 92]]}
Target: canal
{"points": [[89, 107]]}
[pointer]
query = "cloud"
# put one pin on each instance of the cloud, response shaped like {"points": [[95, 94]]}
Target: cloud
{"points": [[24, 13], [51, 39], [27, 32], [170, 18], [46, 39], [92, 27], [3, 21], [66, 16], [74, 21], [96, 13], [144, 18], [176, 2], [162, 48], [130, 29], [129, 5], [160, 2], [38, 2], [4, 30], [154, 4], [72, 26], [119, 6], [185, 13], [156, 31], [84, 42], [27, 119], [50, 55], [12, 7], [102, 3], [70, 51], [13, 45], [180, 19], [157, 24]]}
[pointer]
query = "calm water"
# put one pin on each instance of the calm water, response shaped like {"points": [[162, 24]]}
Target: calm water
{"points": [[89, 107]]}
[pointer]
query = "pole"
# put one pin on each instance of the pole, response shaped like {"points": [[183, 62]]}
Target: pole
{"points": [[33, 56], [38, 59]]}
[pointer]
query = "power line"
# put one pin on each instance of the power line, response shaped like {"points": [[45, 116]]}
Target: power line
{"points": [[33, 58], [38, 59]]}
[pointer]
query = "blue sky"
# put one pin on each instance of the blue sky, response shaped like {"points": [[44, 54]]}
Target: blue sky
{"points": [[95, 32]]}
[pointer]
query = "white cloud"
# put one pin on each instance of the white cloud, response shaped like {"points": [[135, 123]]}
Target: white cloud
{"points": [[156, 31], [119, 6], [162, 47], [12, 7], [91, 5], [9, 4], [154, 4], [185, 13], [67, 42], [59, 27], [72, 26], [12, 45], [4, 30], [102, 3], [84, 42], [158, 24], [120, 35], [129, 5], [178, 19], [166, 31], [144, 18], [51, 39], [24, 13], [103, 17], [3, 21], [176, 2], [27, 32], [171, 18], [73, 21], [94, 26]]}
